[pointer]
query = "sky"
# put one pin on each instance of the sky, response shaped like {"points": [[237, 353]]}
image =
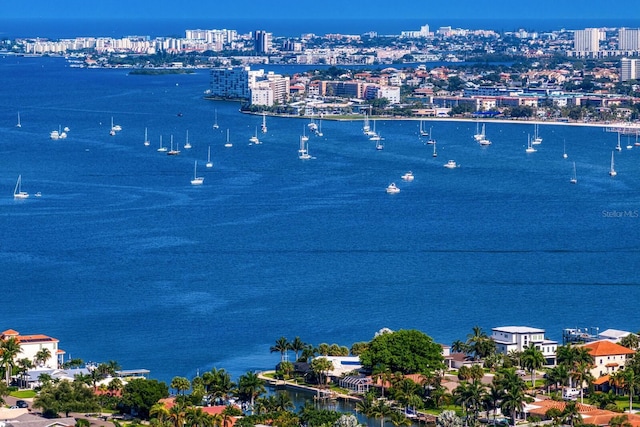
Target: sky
{"points": [[326, 9]]}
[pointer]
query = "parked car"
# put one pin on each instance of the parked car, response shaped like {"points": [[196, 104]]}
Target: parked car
{"points": [[22, 404]]}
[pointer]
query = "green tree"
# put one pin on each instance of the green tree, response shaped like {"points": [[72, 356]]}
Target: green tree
{"points": [[479, 343], [582, 373], [358, 347], [9, 350], [630, 341], [406, 351], [399, 419], [311, 416], [381, 409], [570, 414], [139, 395], [281, 346], [250, 386], [321, 367], [513, 403], [42, 356], [65, 397], [532, 360], [297, 345], [180, 384]]}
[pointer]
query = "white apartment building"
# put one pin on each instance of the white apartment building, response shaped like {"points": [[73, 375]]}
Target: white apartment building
{"points": [[269, 89], [586, 43], [518, 338], [391, 93], [629, 39], [629, 69]]}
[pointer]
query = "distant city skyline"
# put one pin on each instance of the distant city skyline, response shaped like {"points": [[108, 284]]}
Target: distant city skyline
{"points": [[330, 9]]}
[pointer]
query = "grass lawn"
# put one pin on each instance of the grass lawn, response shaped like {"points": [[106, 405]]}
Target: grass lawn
{"points": [[23, 394]]}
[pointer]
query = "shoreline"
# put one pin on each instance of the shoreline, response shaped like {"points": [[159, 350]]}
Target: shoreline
{"points": [[295, 386], [633, 127]]}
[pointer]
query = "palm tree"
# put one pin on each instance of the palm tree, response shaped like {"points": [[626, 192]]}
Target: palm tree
{"points": [[282, 346], [513, 402], [532, 360], [399, 419], [630, 381], [9, 349], [23, 367], [180, 384], [470, 396], [160, 412], [459, 347], [42, 356], [324, 349], [297, 345], [581, 374], [177, 415], [492, 399], [365, 406], [196, 417], [383, 375], [321, 367], [571, 414], [381, 410], [250, 386]]}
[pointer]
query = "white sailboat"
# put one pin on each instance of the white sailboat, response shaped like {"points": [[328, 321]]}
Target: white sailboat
{"points": [[112, 130], [408, 176], [303, 151], [479, 135], [618, 146], [254, 139], [392, 189], [423, 132], [312, 125], [304, 136], [365, 125], [162, 149], [186, 144], [529, 148], [197, 180], [435, 154], [612, 171], [173, 151], [431, 140], [18, 125], [209, 162], [629, 146], [146, 140], [484, 140], [17, 192], [228, 143], [215, 120], [379, 144], [319, 130], [537, 140], [574, 178], [564, 150], [263, 128]]}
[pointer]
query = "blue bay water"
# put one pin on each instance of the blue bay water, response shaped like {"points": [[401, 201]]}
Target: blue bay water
{"points": [[122, 259]]}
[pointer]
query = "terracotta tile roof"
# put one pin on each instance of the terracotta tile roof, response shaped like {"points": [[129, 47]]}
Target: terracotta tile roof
{"points": [[10, 332], [606, 348], [35, 338], [603, 379]]}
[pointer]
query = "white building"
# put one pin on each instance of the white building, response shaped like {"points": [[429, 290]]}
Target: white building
{"points": [[586, 43], [392, 93], [343, 364], [629, 39], [629, 69], [30, 345], [518, 338]]}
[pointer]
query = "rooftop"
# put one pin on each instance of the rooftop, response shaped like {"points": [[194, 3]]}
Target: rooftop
{"points": [[518, 330], [606, 348]]}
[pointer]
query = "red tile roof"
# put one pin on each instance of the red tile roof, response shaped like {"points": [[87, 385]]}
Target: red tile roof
{"points": [[606, 348]]}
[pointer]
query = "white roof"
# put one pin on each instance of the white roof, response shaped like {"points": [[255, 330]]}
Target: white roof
{"points": [[614, 334], [519, 330]]}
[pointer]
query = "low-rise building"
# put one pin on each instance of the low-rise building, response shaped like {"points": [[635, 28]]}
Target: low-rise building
{"points": [[32, 345], [608, 357]]}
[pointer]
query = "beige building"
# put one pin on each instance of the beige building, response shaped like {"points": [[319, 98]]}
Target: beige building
{"points": [[608, 356]]}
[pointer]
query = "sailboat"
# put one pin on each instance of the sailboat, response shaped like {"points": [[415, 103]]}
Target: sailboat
{"points": [[303, 152], [365, 125], [434, 150], [312, 125], [112, 131], [379, 144], [484, 140], [564, 150], [304, 136], [215, 120], [173, 151], [209, 162], [423, 132], [319, 130], [629, 146], [228, 143], [637, 143], [17, 192], [537, 140], [186, 144], [162, 149], [197, 180], [618, 147], [18, 125], [254, 139], [479, 135], [263, 128], [529, 148], [431, 140], [612, 171], [574, 178], [146, 140]]}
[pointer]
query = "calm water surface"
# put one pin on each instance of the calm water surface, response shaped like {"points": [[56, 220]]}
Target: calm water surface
{"points": [[122, 259]]}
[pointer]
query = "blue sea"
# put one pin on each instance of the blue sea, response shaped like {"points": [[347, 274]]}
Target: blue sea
{"points": [[122, 259]]}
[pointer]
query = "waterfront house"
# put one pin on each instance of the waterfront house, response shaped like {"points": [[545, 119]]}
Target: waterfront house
{"points": [[608, 357], [518, 338], [31, 345]]}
